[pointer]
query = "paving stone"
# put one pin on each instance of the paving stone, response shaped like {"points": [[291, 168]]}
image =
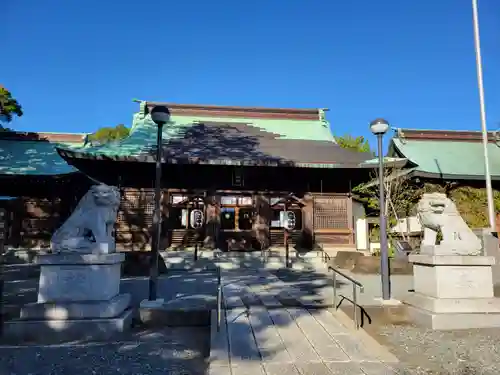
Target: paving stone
{"points": [[354, 348], [232, 295], [327, 348], [374, 368], [329, 322], [233, 302], [299, 348], [242, 345], [219, 370], [280, 369], [269, 300], [250, 299], [249, 368], [344, 368], [313, 368], [269, 342]]}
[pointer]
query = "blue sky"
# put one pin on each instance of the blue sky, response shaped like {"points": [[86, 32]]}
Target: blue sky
{"points": [[76, 65]]}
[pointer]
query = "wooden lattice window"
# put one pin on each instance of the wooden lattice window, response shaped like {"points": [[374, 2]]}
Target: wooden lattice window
{"points": [[331, 212], [136, 209]]}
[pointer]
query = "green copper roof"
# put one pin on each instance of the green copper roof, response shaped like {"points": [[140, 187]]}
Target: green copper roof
{"points": [[448, 159], [143, 132], [229, 141], [31, 157], [388, 161]]}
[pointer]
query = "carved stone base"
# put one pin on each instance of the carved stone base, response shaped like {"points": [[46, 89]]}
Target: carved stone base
{"points": [[452, 276], [456, 321], [79, 277], [78, 298], [76, 310], [454, 305], [453, 292], [54, 331]]}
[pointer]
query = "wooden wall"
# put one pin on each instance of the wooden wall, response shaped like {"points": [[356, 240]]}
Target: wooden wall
{"points": [[41, 206], [326, 218]]}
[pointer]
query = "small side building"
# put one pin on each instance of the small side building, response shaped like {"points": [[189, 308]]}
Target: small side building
{"points": [[38, 187], [443, 157]]}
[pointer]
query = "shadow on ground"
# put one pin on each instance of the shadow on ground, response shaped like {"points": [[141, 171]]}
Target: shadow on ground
{"points": [[162, 351], [181, 350]]}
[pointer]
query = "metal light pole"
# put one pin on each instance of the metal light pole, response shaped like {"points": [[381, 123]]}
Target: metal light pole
{"points": [[160, 116], [379, 127], [484, 130]]}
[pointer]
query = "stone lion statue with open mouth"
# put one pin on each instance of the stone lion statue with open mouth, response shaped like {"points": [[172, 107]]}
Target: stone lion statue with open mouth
{"points": [[89, 229], [438, 213]]}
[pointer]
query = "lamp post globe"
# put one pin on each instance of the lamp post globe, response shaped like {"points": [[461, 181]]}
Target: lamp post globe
{"points": [[160, 115], [379, 126]]}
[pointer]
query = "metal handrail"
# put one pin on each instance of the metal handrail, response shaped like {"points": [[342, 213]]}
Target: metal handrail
{"points": [[355, 284], [219, 297], [325, 257], [362, 310]]}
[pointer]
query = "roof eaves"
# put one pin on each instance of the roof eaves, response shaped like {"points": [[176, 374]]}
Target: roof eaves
{"points": [[68, 154], [451, 177]]}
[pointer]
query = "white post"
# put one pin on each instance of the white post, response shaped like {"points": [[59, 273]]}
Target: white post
{"points": [[484, 130]]}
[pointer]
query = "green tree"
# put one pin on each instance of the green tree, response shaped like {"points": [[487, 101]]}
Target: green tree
{"points": [[110, 134], [359, 144], [9, 107]]}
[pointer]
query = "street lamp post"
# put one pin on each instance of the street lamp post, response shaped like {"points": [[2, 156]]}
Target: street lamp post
{"points": [[379, 127], [160, 116]]}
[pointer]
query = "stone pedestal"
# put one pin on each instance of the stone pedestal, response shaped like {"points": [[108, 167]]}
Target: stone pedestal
{"points": [[78, 298], [491, 248], [453, 292]]}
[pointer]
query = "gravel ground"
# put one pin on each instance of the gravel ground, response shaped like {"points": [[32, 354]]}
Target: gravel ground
{"points": [[422, 351], [179, 351]]}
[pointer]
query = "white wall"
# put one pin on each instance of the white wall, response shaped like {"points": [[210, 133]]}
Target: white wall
{"points": [[407, 225], [360, 226]]}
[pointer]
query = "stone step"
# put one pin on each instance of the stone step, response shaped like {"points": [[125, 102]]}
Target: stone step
{"points": [[227, 263]]}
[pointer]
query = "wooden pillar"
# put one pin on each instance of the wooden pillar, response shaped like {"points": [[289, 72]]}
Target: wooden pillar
{"points": [[261, 221], [236, 218], [350, 220], [212, 222], [307, 236]]}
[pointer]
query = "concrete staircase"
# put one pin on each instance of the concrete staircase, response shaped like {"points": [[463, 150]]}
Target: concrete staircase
{"points": [[261, 333]]}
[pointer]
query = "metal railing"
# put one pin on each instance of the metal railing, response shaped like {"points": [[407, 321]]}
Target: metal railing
{"points": [[325, 257], [219, 297], [355, 284]]}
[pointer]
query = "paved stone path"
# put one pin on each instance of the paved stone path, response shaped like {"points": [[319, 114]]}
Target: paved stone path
{"points": [[261, 336], [264, 288]]}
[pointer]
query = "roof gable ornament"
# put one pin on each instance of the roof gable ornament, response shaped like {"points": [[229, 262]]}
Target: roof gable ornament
{"points": [[401, 135], [143, 108], [322, 115]]}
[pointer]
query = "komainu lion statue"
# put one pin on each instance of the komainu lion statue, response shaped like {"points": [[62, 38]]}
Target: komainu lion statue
{"points": [[438, 213], [89, 229]]}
